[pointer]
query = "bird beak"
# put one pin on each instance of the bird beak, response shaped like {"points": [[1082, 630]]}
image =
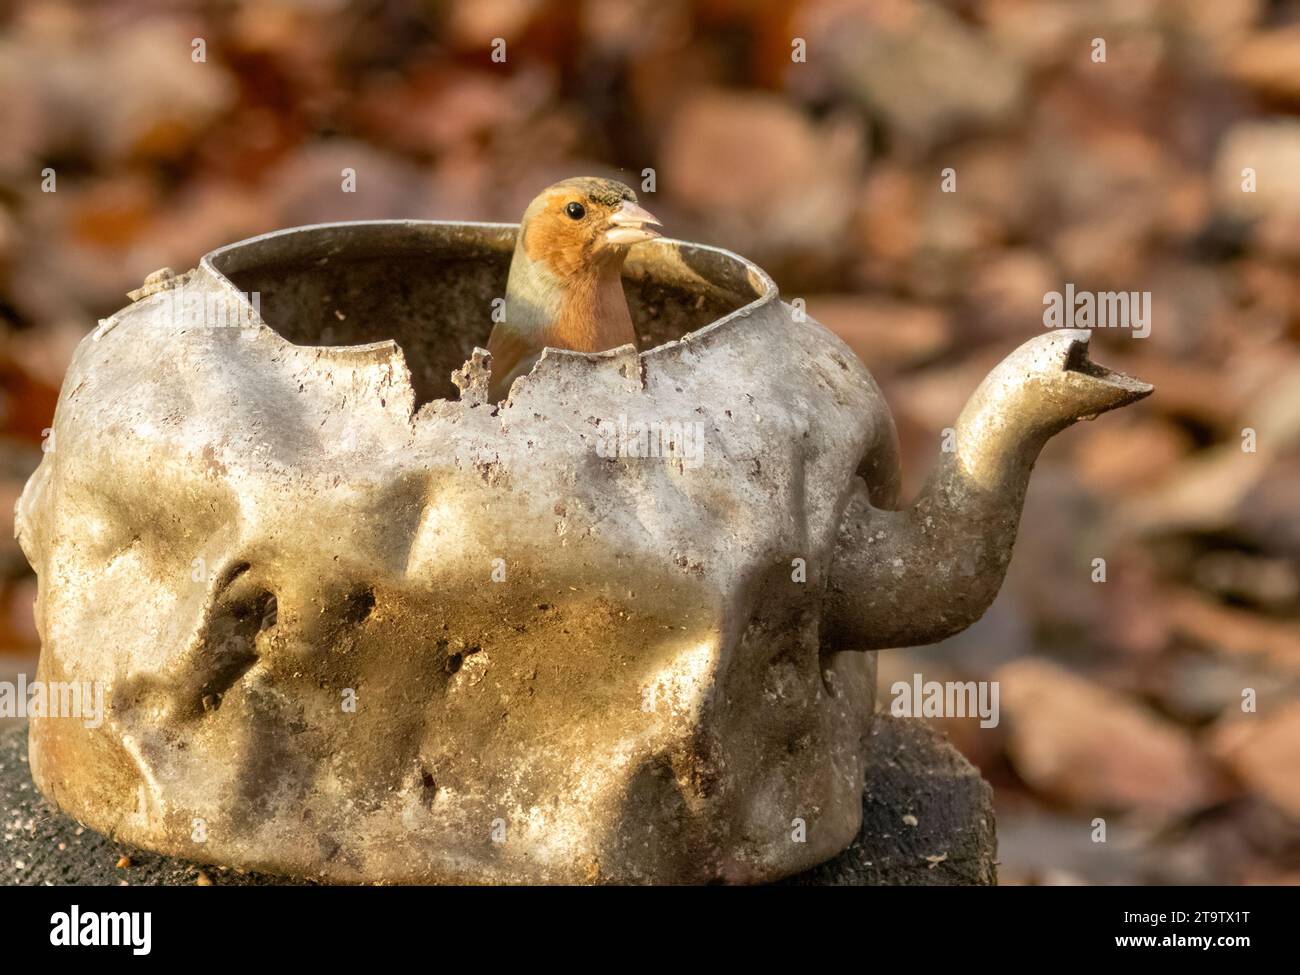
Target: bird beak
{"points": [[631, 224]]}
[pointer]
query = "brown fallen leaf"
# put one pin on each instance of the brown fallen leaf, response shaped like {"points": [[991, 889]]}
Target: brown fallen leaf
{"points": [[1263, 749], [1233, 631], [1081, 743]]}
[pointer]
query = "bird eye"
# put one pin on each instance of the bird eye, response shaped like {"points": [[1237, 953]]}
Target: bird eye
{"points": [[576, 211]]}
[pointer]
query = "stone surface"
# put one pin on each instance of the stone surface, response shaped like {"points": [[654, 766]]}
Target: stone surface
{"points": [[927, 817], [927, 820]]}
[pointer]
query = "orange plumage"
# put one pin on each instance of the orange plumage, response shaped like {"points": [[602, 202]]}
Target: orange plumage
{"points": [[565, 289]]}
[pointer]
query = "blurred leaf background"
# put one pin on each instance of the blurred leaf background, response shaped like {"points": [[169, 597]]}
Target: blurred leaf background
{"points": [[1120, 699]]}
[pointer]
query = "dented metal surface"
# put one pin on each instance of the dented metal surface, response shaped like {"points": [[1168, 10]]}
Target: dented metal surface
{"points": [[355, 626]]}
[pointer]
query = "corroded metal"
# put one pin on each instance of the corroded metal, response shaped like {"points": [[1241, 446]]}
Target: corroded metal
{"points": [[356, 625]]}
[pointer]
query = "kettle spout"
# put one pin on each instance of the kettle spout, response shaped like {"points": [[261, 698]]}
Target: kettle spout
{"points": [[903, 578]]}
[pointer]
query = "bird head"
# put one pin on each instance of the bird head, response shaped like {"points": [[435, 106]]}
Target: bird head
{"points": [[584, 223]]}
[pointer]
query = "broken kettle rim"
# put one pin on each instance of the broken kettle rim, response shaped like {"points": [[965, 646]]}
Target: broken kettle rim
{"points": [[705, 268]]}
